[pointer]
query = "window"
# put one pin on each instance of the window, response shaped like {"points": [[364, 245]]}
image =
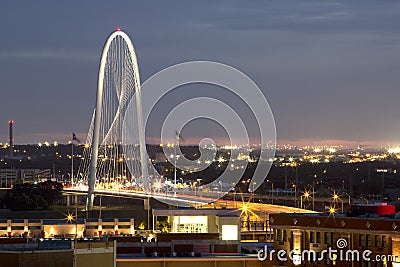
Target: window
{"points": [[377, 241], [230, 232], [312, 237], [368, 238], [333, 239], [361, 240], [326, 237], [318, 237], [278, 235], [284, 235], [384, 241]]}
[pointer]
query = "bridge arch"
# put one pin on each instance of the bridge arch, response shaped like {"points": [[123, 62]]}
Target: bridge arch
{"points": [[123, 96]]}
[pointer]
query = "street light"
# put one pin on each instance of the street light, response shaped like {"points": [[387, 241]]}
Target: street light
{"points": [[313, 196], [252, 191], [336, 198], [366, 200], [295, 195], [332, 210], [254, 183], [272, 191], [199, 183], [305, 195], [349, 198], [234, 194]]}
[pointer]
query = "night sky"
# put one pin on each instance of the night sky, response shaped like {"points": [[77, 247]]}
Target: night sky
{"points": [[329, 69]]}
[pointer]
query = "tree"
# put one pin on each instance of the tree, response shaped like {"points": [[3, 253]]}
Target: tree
{"points": [[32, 196]]}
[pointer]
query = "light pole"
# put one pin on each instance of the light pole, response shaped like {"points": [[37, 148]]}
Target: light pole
{"points": [[366, 200], [272, 191], [295, 196], [252, 191], [194, 184], [336, 198], [199, 182], [349, 198], [305, 195], [301, 201], [313, 197]]}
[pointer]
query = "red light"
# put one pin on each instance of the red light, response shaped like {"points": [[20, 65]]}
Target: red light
{"points": [[10, 122], [119, 29]]}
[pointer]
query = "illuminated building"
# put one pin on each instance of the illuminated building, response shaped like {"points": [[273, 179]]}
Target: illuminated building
{"points": [[225, 222]]}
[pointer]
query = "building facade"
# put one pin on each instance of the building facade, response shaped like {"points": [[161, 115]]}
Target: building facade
{"points": [[48, 228], [310, 237], [225, 222], [9, 177]]}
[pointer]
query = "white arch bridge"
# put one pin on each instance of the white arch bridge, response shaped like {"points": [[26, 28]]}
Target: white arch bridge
{"points": [[111, 165]]}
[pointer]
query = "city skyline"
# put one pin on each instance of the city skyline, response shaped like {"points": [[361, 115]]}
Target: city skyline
{"points": [[328, 70]]}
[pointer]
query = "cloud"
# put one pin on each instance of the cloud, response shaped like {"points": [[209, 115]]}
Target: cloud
{"points": [[47, 54], [313, 17]]}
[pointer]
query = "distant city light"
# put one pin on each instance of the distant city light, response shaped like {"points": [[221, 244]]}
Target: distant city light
{"points": [[332, 150], [394, 150]]}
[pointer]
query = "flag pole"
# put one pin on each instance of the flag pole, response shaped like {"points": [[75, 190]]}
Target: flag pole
{"points": [[72, 159], [176, 142]]}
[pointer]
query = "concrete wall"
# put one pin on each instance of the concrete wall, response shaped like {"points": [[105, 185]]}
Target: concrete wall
{"points": [[37, 258], [196, 262], [99, 254]]}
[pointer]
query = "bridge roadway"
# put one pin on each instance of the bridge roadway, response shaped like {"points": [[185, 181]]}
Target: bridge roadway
{"points": [[260, 209], [177, 198], [291, 198]]}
